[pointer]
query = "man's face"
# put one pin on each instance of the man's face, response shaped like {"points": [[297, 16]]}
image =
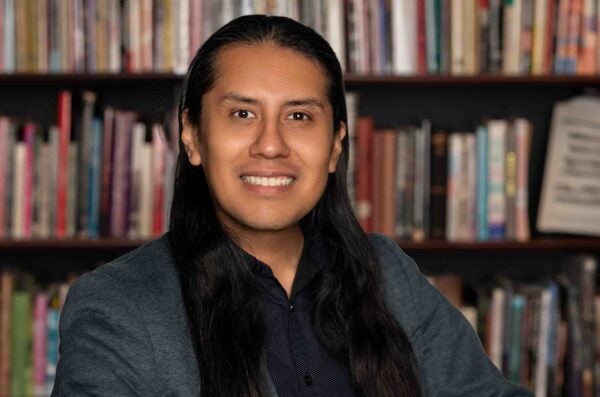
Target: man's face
{"points": [[266, 139]]}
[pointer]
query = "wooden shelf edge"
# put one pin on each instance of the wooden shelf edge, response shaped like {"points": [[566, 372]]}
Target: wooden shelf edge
{"points": [[350, 79], [540, 245], [107, 244]]}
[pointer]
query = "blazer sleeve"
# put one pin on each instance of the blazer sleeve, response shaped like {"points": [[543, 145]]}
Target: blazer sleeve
{"points": [[105, 348], [449, 354]]}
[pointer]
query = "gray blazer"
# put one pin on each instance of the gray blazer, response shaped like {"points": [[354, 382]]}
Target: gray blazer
{"points": [[123, 331]]}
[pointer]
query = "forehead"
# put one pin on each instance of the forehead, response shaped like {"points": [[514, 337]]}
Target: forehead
{"points": [[269, 69]]}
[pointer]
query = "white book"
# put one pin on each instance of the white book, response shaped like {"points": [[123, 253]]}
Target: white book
{"points": [[335, 30], [511, 56], [9, 31], [497, 326], [457, 37], [146, 30], [569, 201], [114, 36], [182, 46], [497, 131], [404, 33]]}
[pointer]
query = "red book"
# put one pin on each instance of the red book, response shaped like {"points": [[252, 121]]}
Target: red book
{"points": [[40, 311], [64, 126], [388, 182], [158, 160], [364, 172], [549, 38]]}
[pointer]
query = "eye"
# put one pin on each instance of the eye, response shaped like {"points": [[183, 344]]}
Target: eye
{"points": [[298, 116], [243, 114]]}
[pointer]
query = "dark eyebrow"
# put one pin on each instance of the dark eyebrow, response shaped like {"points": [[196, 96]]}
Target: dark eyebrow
{"points": [[309, 101], [305, 102], [232, 96]]}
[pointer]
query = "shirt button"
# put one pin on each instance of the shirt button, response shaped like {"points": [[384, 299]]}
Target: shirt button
{"points": [[291, 308], [308, 380]]}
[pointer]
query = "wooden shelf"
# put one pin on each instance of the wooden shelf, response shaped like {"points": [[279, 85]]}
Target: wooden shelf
{"points": [[539, 245], [121, 244], [91, 78], [358, 80], [351, 79]]}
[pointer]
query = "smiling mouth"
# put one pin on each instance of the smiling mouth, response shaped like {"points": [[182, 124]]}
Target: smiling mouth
{"points": [[267, 181]]}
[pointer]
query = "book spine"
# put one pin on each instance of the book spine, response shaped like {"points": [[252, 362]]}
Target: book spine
{"points": [[562, 37], [482, 183], [64, 125], [20, 365], [6, 293], [523, 129], [538, 50], [18, 190], [95, 175], [573, 33], [496, 44], [39, 343], [159, 164], [457, 48], [511, 26], [4, 171], [432, 36], [589, 36], [438, 184], [455, 143], [364, 172], [388, 178], [527, 36], [53, 316], [107, 171], [29, 132], [497, 130], [510, 180]]}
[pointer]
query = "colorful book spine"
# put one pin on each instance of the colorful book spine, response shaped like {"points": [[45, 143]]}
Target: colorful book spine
{"points": [[4, 173], [64, 125], [20, 363], [438, 184], [482, 183], [524, 131], [6, 294], [497, 131], [95, 175], [40, 312]]}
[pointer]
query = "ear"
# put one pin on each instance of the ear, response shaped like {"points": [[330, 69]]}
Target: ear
{"points": [[190, 140], [336, 151]]}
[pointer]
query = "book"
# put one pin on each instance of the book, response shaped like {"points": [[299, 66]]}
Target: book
{"points": [[438, 184], [569, 199], [497, 131]]}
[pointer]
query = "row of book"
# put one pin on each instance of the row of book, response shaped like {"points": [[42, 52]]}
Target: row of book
{"points": [[455, 37], [470, 37], [411, 183], [98, 172], [112, 36], [545, 335], [29, 317]]}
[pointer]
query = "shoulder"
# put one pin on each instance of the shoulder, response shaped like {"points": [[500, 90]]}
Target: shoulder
{"points": [[407, 293], [142, 279], [147, 268]]}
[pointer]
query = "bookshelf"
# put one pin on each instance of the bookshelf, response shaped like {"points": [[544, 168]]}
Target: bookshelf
{"points": [[452, 102]]}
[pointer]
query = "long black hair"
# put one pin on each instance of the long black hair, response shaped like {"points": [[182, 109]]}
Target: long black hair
{"points": [[221, 295]]}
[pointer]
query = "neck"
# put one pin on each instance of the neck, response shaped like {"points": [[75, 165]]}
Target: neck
{"points": [[280, 250]]}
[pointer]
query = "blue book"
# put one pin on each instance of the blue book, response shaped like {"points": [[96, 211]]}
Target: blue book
{"points": [[51, 346], [95, 174], [482, 183]]}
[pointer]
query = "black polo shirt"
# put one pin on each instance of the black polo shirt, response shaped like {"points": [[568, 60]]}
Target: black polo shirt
{"points": [[298, 363]]}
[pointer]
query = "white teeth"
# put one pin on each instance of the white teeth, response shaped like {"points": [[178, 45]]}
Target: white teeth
{"points": [[266, 181]]}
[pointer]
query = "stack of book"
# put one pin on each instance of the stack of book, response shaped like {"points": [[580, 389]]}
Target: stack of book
{"points": [[458, 37], [29, 316], [98, 172], [541, 335], [461, 186]]}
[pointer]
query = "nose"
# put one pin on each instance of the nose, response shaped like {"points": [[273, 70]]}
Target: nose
{"points": [[270, 141]]}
